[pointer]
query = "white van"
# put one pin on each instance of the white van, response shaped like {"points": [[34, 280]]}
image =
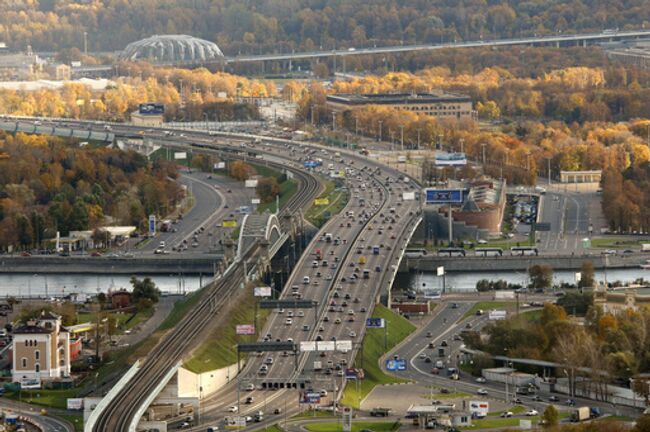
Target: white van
{"points": [[305, 280]]}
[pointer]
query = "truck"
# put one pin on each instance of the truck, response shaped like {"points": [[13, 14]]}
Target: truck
{"points": [[581, 414], [166, 225], [645, 247], [366, 274], [328, 237], [375, 250], [318, 365]]}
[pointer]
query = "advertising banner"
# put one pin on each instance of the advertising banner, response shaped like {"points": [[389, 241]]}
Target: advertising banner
{"points": [[452, 159], [479, 409], [75, 403], [250, 183], [321, 201], [312, 398], [245, 329], [180, 155], [151, 108], [396, 365], [229, 223], [262, 291]]}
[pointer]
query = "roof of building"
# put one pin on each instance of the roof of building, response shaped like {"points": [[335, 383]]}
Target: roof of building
{"points": [[172, 49], [49, 315], [32, 329], [397, 98]]}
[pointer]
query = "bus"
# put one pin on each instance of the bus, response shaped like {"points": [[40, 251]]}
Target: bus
{"points": [[485, 252], [523, 250], [451, 252]]}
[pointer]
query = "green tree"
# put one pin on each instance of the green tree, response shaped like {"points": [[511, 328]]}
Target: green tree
{"points": [[576, 303], [541, 276], [550, 417], [144, 289]]}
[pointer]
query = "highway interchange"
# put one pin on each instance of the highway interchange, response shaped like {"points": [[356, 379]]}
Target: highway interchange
{"points": [[384, 220]]}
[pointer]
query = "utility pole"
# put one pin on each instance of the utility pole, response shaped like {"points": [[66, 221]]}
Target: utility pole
{"points": [[548, 165], [401, 127], [333, 120], [483, 146], [312, 114], [418, 139], [379, 133], [356, 126], [86, 43], [462, 145]]}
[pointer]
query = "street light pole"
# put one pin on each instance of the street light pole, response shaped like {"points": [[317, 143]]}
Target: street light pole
{"points": [[333, 120], [401, 127], [379, 133], [418, 139]]}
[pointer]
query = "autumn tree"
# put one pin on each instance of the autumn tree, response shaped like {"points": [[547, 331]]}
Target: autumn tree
{"points": [[541, 276], [240, 170], [267, 189]]}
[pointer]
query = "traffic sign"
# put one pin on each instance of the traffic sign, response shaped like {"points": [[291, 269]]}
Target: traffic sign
{"points": [[444, 196], [396, 365], [375, 322], [152, 224], [287, 304], [266, 346], [312, 398]]}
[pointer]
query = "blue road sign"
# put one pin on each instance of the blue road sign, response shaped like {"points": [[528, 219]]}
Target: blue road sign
{"points": [[375, 323], [310, 398], [152, 108], [444, 196], [152, 224], [396, 365]]}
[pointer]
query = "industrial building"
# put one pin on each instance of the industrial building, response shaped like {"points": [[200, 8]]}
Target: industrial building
{"points": [[439, 104]]}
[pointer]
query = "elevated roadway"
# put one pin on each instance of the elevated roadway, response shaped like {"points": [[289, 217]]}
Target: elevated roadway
{"points": [[555, 40]]}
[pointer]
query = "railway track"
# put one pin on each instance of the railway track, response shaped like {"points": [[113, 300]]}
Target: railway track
{"points": [[121, 413]]}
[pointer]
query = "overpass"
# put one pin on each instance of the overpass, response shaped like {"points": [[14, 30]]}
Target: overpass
{"points": [[553, 40]]}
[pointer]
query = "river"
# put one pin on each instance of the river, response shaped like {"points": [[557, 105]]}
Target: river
{"points": [[47, 285]]}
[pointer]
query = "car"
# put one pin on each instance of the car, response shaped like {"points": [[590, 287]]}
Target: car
{"points": [[444, 390], [482, 392], [570, 402], [250, 387], [25, 254], [481, 380], [443, 343], [428, 360], [468, 325], [454, 305], [250, 400], [531, 413], [277, 411], [353, 334], [429, 334], [184, 425], [422, 356], [233, 409], [288, 321], [536, 398], [507, 414], [553, 399]]}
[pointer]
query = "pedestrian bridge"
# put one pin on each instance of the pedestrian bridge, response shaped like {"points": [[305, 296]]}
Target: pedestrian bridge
{"points": [[264, 228]]}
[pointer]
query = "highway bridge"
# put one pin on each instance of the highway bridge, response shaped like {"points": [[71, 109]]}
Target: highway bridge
{"points": [[550, 40]]}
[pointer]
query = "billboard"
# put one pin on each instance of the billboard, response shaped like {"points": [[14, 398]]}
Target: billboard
{"points": [[431, 294], [444, 196], [396, 365], [479, 409], [255, 201], [229, 223], [220, 165], [452, 159], [180, 155], [245, 329], [354, 373], [250, 183], [151, 109], [321, 201], [152, 224], [496, 315], [262, 291], [30, 383], [504, 295], [408, 196], [310, 397], [440, 271], [375, 323], [75, 403], [235, 422]]}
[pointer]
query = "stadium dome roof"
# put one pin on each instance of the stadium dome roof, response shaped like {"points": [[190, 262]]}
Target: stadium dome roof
{"points": [[173, 49]]}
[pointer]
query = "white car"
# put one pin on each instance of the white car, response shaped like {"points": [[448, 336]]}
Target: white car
{"points": [[506, 414], [233, 409], [481, 380], [532, 413], [482, 392], [289, 321]]}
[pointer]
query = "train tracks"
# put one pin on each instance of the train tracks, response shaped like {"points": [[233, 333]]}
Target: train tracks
{"points": [[121, 415]]}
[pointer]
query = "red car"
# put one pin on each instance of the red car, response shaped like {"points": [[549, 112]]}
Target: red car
{"points": [[95, 254], [25, 254]]}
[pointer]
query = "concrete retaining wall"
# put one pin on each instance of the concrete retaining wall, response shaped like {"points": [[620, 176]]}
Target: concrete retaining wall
{"points": [[101, 265], [190, 383]]}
